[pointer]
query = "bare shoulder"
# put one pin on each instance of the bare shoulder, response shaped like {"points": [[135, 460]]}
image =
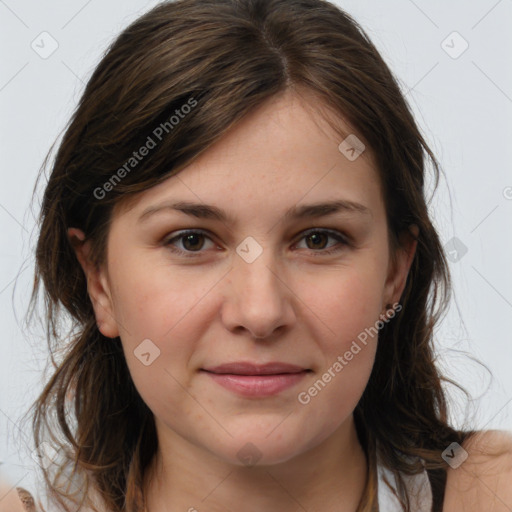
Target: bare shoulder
{"points": [[484, 480], [10, 499], [18, 499]]}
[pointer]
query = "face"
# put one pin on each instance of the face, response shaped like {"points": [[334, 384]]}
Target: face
{"points": [[250, 329]]}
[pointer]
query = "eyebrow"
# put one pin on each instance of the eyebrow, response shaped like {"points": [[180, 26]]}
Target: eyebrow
{"points": [[205, 211]]}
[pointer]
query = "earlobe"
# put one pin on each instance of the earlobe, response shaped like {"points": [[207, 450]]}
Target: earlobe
{"points": [[97, 284]]}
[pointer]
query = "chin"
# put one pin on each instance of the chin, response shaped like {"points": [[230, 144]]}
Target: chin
{"points": [[261, 454], [254, 447]]}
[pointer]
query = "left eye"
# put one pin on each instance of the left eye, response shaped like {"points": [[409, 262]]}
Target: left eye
{"points": [[317, 235], [193, 241]]}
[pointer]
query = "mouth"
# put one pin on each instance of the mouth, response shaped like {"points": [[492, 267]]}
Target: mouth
{"points": [[256, 380]]}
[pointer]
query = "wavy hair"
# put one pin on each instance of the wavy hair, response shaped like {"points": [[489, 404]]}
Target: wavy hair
{"points": [[227, 57]]}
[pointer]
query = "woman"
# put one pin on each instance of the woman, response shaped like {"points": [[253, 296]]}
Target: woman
{"points": [[221, 359]]}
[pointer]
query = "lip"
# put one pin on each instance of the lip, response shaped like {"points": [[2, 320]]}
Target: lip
{"points": [[247, 368], [256, 380]]}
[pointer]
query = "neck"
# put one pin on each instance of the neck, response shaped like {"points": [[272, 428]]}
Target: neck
{"points": [[329, 477]]}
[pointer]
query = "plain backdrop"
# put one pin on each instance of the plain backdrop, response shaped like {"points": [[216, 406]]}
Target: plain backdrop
{"points": [[453, 62]]}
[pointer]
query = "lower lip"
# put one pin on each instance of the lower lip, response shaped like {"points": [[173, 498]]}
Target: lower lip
{"points": [[257, 385]]}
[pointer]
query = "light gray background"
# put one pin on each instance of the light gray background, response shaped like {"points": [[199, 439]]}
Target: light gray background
{"points": [[463, 105]]}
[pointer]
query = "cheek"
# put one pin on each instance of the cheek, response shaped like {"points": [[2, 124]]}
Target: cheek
{"points": [[153, 310], [154, 300], [347, 302], [346, 308], [157, 348]]}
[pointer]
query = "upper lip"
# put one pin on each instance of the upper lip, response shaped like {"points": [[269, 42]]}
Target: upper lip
{"points": [[247, 368]]}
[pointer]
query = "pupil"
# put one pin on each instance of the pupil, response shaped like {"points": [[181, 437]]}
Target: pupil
{"points": [[190, 237], [316, 237]]}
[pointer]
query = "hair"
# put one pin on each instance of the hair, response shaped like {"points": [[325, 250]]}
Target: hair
{"points": [[222, 59]]}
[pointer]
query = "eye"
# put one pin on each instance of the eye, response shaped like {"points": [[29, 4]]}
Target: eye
{"points": [[192, 241], [318, 238]]}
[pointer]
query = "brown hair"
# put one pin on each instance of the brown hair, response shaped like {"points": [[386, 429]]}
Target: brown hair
{"points": [[223, 58]]}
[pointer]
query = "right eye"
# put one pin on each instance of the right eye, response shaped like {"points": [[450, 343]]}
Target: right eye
{"points": [[192, 241]]}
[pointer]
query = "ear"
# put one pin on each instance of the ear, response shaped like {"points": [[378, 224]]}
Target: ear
{"points": [[400, 265], [98, 286]]}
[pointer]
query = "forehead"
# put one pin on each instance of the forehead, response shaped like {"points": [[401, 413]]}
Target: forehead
{"points": [[283, 153]]}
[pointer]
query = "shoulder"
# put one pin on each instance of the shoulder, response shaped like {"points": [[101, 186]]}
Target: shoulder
{"points": [[18, 499], [15, 499], [484, 480]]}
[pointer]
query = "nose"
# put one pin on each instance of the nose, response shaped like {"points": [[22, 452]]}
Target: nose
{"points": [[258, 297]]}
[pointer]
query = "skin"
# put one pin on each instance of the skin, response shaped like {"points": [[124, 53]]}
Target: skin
{"points": [[291, 304], [481, 483], [484, 481], [9, 499], [287, 305]]}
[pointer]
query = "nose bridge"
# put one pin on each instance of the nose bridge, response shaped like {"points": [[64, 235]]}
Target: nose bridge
{"points": [[256, 269]]}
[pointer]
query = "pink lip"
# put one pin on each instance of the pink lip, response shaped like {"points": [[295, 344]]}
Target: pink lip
{"points": [[246, 368], [252, 380]]}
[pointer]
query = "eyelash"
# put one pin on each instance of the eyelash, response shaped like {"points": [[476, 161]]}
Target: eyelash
{"points": [[321, 252]]}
